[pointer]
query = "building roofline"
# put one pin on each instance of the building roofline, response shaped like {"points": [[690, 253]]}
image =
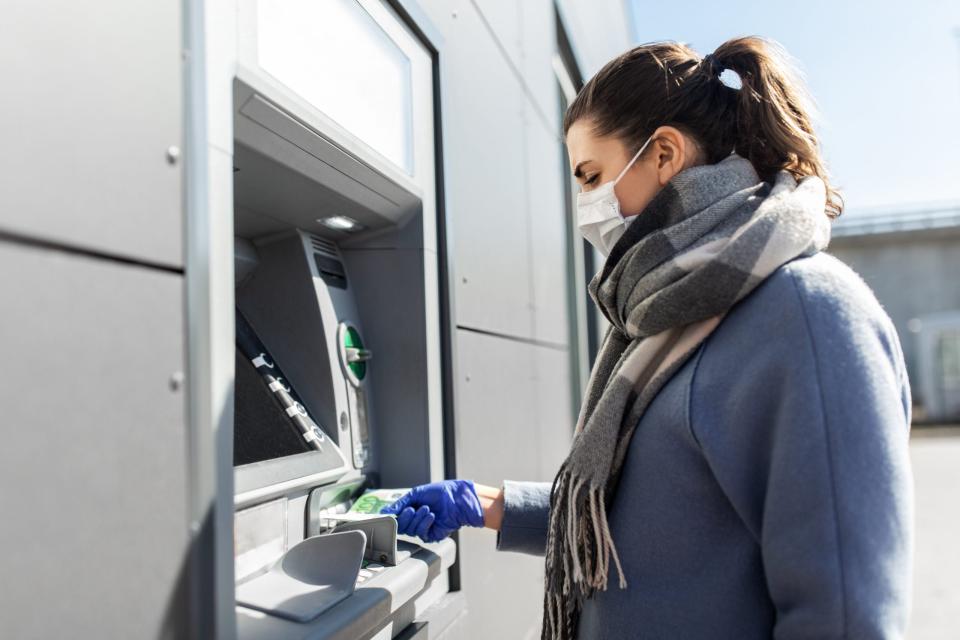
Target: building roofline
{"points": [[931, 217]]}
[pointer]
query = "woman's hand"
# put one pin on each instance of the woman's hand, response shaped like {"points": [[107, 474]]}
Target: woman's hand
{"points": [[434, 511]]}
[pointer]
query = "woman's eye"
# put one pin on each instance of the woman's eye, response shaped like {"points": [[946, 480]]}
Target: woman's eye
{"points": [[592, 179]]}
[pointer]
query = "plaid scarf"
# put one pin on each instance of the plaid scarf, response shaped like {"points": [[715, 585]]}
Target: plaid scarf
{"points": [[708, 237]]}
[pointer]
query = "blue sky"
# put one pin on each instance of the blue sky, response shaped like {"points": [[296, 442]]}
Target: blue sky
{"points": [[885, 77]]}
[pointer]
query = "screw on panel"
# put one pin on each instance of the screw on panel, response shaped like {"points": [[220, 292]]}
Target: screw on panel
{"points": [[173, 154], [176, 380]]}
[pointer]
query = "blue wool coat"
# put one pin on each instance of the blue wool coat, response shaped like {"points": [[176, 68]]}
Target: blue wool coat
{"points": [[767, 489]]}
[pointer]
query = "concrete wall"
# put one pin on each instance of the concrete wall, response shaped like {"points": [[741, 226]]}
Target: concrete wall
{"points": [[911, 274]]}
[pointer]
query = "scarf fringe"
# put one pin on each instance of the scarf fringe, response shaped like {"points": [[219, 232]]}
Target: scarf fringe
{"points": [[579, 549]]}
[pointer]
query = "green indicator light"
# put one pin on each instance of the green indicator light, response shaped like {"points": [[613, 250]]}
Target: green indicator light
{"points": [[351, 339]]}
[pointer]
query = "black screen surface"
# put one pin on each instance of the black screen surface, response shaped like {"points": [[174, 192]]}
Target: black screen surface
{"points": [[261, 428]]}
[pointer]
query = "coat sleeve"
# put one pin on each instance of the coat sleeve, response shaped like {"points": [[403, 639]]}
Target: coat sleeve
{"points": [[808, 437], [526, 512]]}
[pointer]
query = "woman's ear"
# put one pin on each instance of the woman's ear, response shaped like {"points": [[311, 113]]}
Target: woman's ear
{"points": [[671, 151]]}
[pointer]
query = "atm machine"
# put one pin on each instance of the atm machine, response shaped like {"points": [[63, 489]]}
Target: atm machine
{"points": [[337, 385]]}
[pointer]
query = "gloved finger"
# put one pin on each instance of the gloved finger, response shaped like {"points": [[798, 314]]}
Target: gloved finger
{"points": [[418, 517], [423, 527], [438, 533], [404, 519], [398, 505]]}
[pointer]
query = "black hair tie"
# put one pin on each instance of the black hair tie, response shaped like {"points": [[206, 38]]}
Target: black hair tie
{"points": [[714, 67], [716, 71]]}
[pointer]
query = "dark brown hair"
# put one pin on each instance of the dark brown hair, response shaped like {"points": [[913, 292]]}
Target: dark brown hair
{"points": [[767, 120]]}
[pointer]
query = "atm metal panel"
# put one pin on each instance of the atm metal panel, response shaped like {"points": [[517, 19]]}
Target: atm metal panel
{"points": [[504, 590], [539, 41], [497, 434], [93, 127], [485, 180], [549, 220], [498, 437], [554, 408], [503, 16], [545, 186], [93, 467]]}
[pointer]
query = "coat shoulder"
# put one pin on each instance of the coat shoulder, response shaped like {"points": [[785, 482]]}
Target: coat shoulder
{"points": [[811, 300], [821, 290]]}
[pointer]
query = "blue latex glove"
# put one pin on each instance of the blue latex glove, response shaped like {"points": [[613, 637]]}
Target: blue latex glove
{"points": [[434, 511]]}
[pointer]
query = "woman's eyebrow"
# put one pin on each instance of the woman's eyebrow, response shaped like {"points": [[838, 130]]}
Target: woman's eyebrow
{"points": [[576, 172]]}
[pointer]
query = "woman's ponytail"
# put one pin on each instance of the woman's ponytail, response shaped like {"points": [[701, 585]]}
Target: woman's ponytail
{"points": [[774, 129], [767, 119]]}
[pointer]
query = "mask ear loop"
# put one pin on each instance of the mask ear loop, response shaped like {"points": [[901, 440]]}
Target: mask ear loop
{"points": [[632, 160]]}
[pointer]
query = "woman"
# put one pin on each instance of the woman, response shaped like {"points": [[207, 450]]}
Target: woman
{"points": [[739, 467]]}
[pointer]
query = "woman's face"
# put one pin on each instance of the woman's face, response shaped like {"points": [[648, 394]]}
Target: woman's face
{"points": [[595, 160]]}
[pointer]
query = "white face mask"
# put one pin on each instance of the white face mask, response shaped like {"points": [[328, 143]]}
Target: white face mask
{"points": [[598, 212]]}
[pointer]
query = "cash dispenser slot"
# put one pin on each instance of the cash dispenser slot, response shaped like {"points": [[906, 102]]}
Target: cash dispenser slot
{"points": [[381, 537]]}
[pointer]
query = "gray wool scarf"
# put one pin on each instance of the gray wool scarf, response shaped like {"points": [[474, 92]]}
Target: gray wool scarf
{"points": [[708, 237]]}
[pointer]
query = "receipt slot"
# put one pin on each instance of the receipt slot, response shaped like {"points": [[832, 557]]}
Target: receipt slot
{"points": [[338, 377]]}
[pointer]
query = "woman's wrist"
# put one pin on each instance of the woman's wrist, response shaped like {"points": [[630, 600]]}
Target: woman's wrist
{"points": [[491, 501]]}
